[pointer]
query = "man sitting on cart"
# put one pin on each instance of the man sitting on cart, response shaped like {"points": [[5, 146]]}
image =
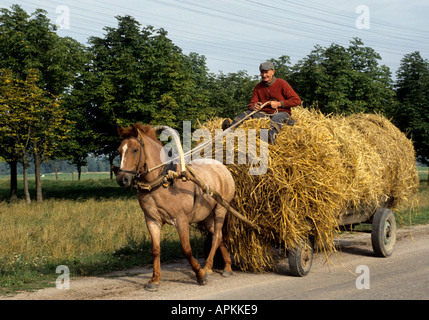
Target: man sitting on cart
{"points": [[281, 99]]}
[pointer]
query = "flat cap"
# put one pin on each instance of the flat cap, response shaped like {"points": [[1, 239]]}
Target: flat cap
{"points": [[266, 66]]}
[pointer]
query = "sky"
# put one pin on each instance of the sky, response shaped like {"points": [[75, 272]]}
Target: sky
{"points": [[237, 35]]}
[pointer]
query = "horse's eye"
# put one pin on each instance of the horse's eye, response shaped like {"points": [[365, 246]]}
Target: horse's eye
{"points": [[135, 150]]}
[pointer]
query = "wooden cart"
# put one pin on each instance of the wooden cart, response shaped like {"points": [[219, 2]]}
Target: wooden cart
{"points": [[383, 238]]}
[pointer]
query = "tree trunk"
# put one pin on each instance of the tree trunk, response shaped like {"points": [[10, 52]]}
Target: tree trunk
{"points": [[37, 164], [25, 178], [54, 165], [13, 195], [111, 158]]}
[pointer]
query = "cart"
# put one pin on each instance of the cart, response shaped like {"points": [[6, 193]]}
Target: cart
{"points": [[383, 231], [382, 219], [383, 238]]}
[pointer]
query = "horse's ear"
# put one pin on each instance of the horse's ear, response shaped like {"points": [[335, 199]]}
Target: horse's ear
{"points": [[135, 131], [127, 132], [120, 131]]}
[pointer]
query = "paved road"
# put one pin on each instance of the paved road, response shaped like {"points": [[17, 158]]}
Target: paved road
{"points": [[404, 275]]}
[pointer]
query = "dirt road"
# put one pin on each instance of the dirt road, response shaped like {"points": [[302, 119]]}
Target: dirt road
{"points": [[404, 275]]}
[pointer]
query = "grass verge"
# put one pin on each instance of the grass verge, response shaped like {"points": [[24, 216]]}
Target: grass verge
{"points": [[93, 227]]}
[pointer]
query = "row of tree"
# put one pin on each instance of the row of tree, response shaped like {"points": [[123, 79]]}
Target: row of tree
{"points": [[93, 164], [60, 99]]}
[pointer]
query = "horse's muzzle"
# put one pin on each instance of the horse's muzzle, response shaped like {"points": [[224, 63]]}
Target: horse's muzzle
{"points": [[124, 179]]}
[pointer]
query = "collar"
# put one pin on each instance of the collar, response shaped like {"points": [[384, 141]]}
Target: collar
{"points": [[269, 84]]}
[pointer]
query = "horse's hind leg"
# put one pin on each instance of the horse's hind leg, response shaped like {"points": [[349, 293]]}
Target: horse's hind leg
{"points": [[219, 220], [183, 229], [227, 271]]}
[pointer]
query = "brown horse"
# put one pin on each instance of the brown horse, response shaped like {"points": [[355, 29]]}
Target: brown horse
{"points": [[179, 204]]}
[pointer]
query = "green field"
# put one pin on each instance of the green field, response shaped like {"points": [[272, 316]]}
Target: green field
{"points": [[93, 226], [65, 176], [423, 173]]}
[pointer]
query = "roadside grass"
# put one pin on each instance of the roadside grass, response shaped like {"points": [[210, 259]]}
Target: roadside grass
{"points": [[94, 227]]}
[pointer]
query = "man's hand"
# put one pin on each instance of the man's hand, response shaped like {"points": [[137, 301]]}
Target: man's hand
{"points": [[275, 104], [257, 106]]}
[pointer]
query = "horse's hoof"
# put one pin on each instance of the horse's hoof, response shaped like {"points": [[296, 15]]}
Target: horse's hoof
{"points": [[151, 286], [203, 281], [227, 273]]}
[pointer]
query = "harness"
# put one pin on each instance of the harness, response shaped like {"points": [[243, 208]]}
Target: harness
{"points": [[137, 174], [165, 178]]}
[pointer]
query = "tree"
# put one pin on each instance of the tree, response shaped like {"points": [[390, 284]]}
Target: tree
{"points": [[230, 93], [139, 75], [30, 119], [372, 83], [29, 44], [343, 80], [282, 67], [412, 92], [81, 139]]}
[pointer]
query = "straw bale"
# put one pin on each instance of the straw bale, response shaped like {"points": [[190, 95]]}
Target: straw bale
{"points": [[318, 169]]}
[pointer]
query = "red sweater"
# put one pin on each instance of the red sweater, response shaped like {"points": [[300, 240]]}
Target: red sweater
{"points": [[278, 90]]}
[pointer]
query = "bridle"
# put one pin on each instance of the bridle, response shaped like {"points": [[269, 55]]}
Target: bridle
{"points": [[137, 174]]}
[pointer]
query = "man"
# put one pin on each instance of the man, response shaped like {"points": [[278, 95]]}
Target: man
{"points": [[281, 99]]}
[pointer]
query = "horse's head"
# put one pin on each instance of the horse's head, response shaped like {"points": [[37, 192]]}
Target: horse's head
{"points": [[133, 153]]}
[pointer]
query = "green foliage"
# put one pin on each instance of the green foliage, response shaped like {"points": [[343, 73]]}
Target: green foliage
{"points": [[30, 117], [410, 112], [135, 73], [140, 75], [46, 64], [230, 93], [29, 42], [344, 80]]}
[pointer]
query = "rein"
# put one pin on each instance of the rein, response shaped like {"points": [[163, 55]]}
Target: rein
{"points": [[168, 176], [164, 178], [137, 174], [218, 137]]}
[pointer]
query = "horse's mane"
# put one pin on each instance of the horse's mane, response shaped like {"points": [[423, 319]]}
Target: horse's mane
{"points": [[135, 129]]}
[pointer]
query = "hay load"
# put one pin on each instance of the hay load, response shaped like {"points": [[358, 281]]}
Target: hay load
{"points": [[319, 169]]}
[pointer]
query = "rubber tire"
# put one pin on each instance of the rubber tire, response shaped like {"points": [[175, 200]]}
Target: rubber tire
{"points": [[301, 258], [383, 232]]}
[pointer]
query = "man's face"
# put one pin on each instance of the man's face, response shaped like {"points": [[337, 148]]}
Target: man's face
{"points": [[267, 75]]}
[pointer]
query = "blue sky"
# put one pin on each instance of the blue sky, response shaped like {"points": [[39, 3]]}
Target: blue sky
{"points": [[239, 34]]}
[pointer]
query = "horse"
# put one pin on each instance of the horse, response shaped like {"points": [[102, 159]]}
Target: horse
{"points": [[179, 203]]}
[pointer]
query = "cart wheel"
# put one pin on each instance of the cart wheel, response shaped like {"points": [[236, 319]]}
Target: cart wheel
{"points": [[301, 258], [383, 232]]}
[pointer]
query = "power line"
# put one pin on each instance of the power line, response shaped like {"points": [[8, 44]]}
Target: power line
{"points": [[261, 29]]}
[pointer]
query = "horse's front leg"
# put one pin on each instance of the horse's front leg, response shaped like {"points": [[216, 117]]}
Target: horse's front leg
{"points": [[154, 228], [183, 229]]}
